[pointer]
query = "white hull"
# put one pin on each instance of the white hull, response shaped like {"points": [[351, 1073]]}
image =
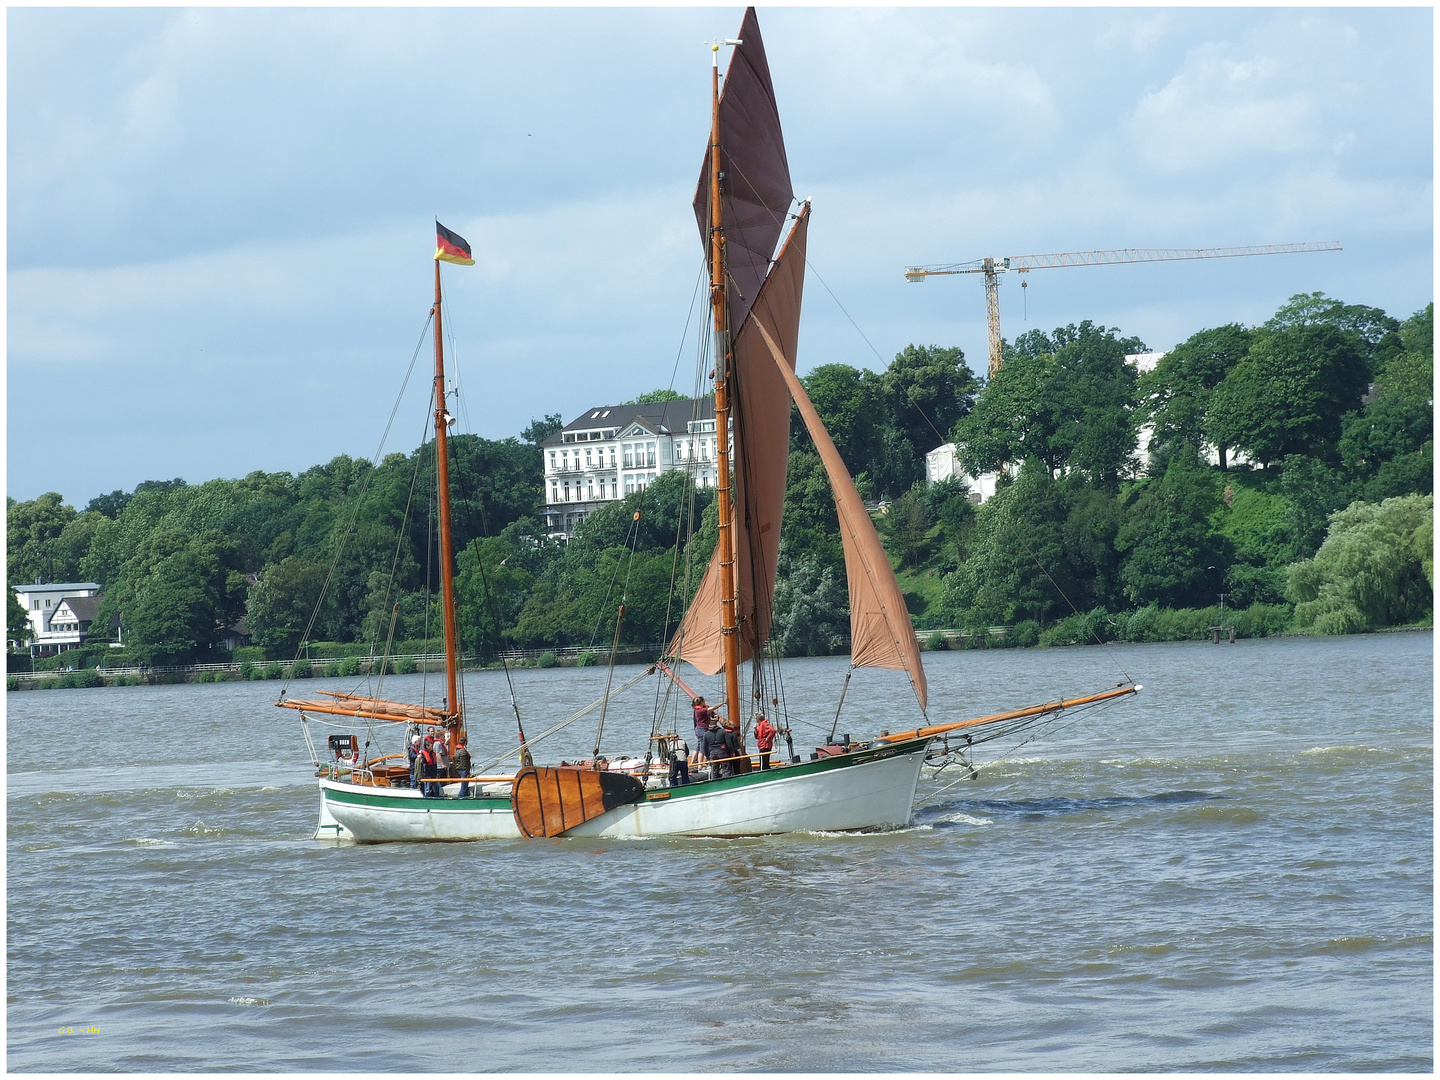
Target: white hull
{"points": [[870, 790]]}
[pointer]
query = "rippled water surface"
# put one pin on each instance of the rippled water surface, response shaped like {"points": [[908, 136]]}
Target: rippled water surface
{"points": [[1232, 871]]}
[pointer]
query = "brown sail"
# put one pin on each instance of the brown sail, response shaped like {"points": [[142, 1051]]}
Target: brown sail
{"points": [[762, 437], [881, 633], [756, 190]]}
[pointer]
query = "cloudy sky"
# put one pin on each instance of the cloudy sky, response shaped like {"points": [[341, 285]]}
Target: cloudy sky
{"points": [[219, 220]]}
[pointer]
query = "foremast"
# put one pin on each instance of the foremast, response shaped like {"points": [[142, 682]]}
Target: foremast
{"points": [[729, 624], [442, 480]]}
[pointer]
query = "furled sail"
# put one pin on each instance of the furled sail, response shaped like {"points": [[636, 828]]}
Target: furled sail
{"points": [[756, 190], [762, 440], [881, 633]]}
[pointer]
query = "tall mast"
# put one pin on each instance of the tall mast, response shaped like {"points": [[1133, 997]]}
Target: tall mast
{"points": [[442, 479], [729, 630]]}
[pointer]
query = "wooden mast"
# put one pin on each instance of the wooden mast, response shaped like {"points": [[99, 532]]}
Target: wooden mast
{"points": [[729, 629], [442, 479]]}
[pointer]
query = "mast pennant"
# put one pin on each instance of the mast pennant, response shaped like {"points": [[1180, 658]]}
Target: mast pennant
{"points": [[451, 247]]}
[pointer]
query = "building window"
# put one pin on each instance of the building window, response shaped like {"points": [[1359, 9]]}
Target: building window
{"points": [[629, 485], [589, 461], [591, 488], [567, 490], [629, 457], [552, 460], [650, 453], [612, 457], [554, 492], [613, 485]]}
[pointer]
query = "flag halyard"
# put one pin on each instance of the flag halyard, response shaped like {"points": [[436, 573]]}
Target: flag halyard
{"points": [[451, 247]]}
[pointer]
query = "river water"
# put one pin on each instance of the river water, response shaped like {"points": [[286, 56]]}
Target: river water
{"points": [[1232, 871]]}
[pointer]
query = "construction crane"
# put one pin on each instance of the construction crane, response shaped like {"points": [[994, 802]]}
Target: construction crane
{"points": [[993, 268]]}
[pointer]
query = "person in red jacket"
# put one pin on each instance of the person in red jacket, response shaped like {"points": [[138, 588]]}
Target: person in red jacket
{"points": [[765, 733]]}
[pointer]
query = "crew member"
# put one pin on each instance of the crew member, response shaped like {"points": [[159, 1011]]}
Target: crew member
{"points": [[765, 733]]}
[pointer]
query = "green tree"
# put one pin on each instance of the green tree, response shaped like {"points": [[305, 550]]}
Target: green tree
{"points": [[1375, 568], [283, 602], [1174, 554], [540, 430], [1289, 394], [811, 609], [651, 397], [1377, 334], [851, 404], [1175, 396], [907, 528], [177, 593], [926, 389], [1065, 400], [17, 621], [32, 532]]}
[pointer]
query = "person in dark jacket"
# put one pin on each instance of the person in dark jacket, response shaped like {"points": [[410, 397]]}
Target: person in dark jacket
{"points": [[461, 761]]}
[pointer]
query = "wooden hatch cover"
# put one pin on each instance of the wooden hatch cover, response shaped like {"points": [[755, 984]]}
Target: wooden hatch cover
{"points": [[548, 801]]}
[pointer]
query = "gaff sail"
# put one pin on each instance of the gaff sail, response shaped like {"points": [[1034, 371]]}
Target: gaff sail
{"points": [[762, 439], [756, 192]]}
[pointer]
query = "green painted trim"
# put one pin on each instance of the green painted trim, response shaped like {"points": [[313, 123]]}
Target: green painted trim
{"points": [[788, 772], [689, 791], [389, 802]]}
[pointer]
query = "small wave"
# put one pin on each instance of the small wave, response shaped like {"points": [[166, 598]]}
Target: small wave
{"points": [[962, 818], [1317, 750], [248, 1001], [199, 828], [1349, 945], [149, 841]]}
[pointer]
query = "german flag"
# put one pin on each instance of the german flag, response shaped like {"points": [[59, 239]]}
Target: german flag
{"points": [[452, 247]]}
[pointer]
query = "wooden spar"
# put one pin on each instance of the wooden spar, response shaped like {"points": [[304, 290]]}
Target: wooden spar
{"points": [[442, 479], [729, 632], [1017, 714], [677, 680]]}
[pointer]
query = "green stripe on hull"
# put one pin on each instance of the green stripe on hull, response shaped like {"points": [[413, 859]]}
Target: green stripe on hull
{"points": [[368, 796]]}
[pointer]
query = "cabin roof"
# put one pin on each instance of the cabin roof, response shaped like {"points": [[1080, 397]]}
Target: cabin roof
{"points": [[657, 416]]}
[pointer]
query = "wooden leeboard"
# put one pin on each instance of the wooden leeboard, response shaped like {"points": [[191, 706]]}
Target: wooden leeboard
{"points": [[548, 801]]}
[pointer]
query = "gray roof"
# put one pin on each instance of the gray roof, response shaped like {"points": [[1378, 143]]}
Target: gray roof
{"points": [[670, 416], [84, 607], [56, 586]]}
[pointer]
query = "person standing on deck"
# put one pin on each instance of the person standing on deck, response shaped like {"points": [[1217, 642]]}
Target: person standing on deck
{"points": [[413, 751], [462, 764], [427, 766], [679, 762], [765, 733], [442, 760], [703, 717]]}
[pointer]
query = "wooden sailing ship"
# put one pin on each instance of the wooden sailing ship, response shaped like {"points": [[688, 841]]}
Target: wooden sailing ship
{"points": [[743, 202]]}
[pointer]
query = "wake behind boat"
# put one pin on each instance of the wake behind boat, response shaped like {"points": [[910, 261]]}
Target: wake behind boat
{"points": [[743, 203]]}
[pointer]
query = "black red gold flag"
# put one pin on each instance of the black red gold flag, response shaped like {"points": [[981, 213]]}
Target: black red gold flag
{"points": [[451, 246]]}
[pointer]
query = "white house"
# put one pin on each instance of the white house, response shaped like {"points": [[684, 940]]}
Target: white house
{"points": [[942, 463], [60, 614], [612, 451]]}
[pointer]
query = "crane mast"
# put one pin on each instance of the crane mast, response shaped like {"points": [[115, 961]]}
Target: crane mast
{"points": [[992, 269]]}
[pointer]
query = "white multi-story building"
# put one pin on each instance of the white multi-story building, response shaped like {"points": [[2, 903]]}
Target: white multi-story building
{"points": [[612, 451], [60, 614]]}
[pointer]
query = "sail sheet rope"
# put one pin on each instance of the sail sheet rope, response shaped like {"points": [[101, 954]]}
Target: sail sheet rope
{"points": [[579, 715]]}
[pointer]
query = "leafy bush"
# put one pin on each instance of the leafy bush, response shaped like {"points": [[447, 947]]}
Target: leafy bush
{"points": [[406, 666], [300, 669], [248, 654], [1261, 620], [586, 658], [12, 684], [1090, 628], [273, 670], [547, 659], [935, 643], [347, 667], [247, 669], [1024, 634]]}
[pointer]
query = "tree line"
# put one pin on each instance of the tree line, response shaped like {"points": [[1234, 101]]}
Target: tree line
{"points": [[1289, 468]]}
